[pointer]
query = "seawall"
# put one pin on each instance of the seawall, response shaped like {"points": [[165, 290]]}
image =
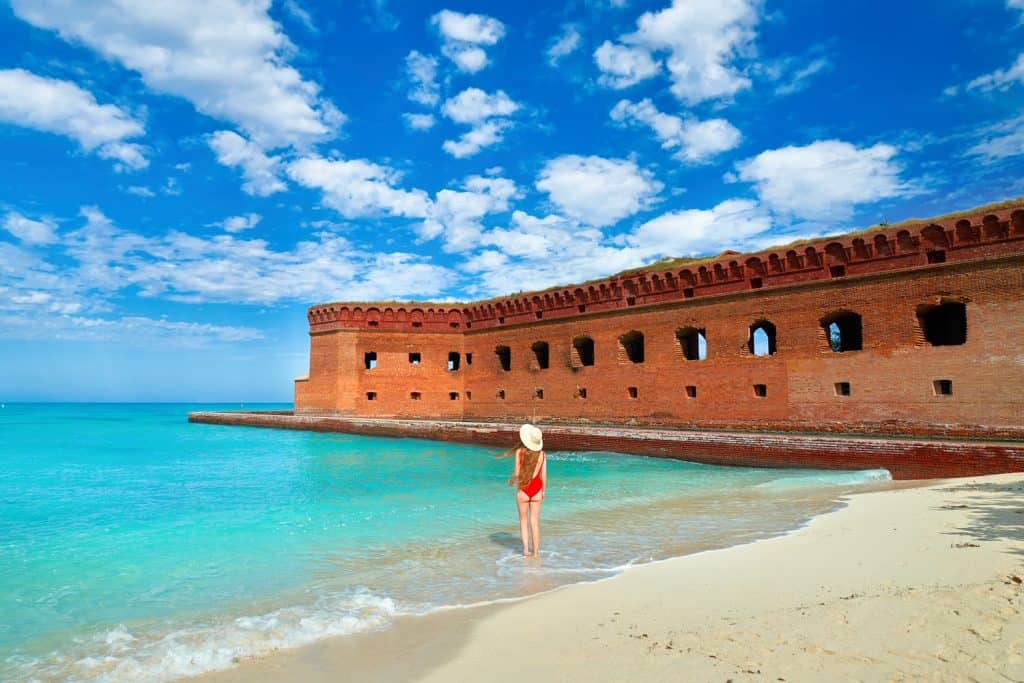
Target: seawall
{"points": [[905, 458]]}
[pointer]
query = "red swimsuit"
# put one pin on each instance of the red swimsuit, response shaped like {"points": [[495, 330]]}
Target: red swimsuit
{"points": [[535, 485]]}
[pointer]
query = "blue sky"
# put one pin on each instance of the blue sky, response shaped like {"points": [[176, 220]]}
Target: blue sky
{"points": [[180, 181]]}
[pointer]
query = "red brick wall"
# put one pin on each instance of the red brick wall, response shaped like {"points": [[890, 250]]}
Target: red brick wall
{"points": [[886, 277]]}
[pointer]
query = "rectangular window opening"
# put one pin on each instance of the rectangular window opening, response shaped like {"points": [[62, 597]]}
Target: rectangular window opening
{"points": [[454, 360], [581, 392], [688, 293], [500, 394], [837, 271], [937, 256], [415, 395], [633, 392], [756, 283], [842, 388], [469, 359], [453, 396], [760, 390], [582, 308], [504, 354], [691, 391], [371, 395], [373, 323], [943, 387], [417, 324], [415, 358], [370, 360], [538, 393], [631, 301], [539, 314], [469, 395]]}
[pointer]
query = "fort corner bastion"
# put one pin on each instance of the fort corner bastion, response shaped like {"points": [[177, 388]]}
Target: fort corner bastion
{"points": [[899, 347]]}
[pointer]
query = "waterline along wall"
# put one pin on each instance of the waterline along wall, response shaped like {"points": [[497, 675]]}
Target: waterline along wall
{"points": [[910, 331]]}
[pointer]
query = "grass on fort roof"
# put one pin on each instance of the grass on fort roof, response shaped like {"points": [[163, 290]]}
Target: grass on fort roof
{"points": [[684, 261]]}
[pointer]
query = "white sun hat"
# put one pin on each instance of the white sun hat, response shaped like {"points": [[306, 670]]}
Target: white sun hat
{"points": [[531, 437]]}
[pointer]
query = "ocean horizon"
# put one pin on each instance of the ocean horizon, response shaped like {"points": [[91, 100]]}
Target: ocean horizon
{"points": [[134, 545]]}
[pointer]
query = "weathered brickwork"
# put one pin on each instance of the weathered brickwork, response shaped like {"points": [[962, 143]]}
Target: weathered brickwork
{"points": [[905, 285]]}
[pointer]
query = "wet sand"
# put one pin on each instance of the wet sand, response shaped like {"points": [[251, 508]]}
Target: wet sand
{"points": [[911, 584]]}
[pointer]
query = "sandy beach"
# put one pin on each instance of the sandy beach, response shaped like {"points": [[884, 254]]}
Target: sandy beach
{"points": [[909, 584]]}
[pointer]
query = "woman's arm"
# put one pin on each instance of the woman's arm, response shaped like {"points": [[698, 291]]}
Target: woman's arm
{"points": [[544, 471]]}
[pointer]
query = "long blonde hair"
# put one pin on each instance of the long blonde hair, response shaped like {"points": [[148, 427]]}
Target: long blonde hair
{"points": [[527, 465]]}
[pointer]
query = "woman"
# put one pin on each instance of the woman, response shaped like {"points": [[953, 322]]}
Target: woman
{"points": [[530, 479]]}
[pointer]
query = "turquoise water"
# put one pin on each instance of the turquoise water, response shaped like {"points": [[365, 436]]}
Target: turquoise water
{"points": [[134, 545]]}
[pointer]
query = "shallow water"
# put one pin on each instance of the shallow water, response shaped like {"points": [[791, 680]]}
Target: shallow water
{"points": [[135, 545]]}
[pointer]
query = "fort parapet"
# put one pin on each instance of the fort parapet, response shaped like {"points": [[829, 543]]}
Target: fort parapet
{"points": [[912, 331]]}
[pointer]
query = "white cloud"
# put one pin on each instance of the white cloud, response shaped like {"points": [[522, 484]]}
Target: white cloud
{"points": [[456, 215], [690, 232], [824, 180], [1000, 141], [473, 105], [357, 188], [228, 58], [140, 191], [236, 224], [1001, 79], [422, 73], [139, 330], [258, 168], [485, 113], [30, 231], [696, 141], [623, 66], [567, 43], [419, 121], [463, 36], [63, 108], [597, 191], [472, 141], [703, 38], [100, 260], [800, 78]]}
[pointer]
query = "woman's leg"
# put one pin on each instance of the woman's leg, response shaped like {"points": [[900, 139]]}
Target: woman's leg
{"points": [[535, 522], [524, 529]]}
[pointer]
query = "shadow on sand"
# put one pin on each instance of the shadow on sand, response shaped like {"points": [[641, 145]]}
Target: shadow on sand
{"points": [[995, 514], [507, 540]]}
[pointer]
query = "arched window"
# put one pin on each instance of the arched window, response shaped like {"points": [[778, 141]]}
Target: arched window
{"points": [[692, 343], [542, 354], [632, 346], [944, 324], [762, 339], [582, 351], [843, 331]]}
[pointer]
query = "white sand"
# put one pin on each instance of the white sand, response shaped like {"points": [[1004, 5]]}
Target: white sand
{"points": [[911, 584]]}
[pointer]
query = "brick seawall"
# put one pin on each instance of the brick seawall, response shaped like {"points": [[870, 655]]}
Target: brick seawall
{"points": [[905, 458]]}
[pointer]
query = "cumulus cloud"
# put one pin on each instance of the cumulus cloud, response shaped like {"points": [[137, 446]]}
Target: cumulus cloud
{"points": [[63, 108], [30, 231], [485, 113], [419, 121], [228, 58], [565, 44], [422, 73], [236, 224], [622, 66], [357, 188], [595, 190], [456, 215], [701, 40], [824, 180], [259, 169], [696, 141], [464, 34], [690, 232]]}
